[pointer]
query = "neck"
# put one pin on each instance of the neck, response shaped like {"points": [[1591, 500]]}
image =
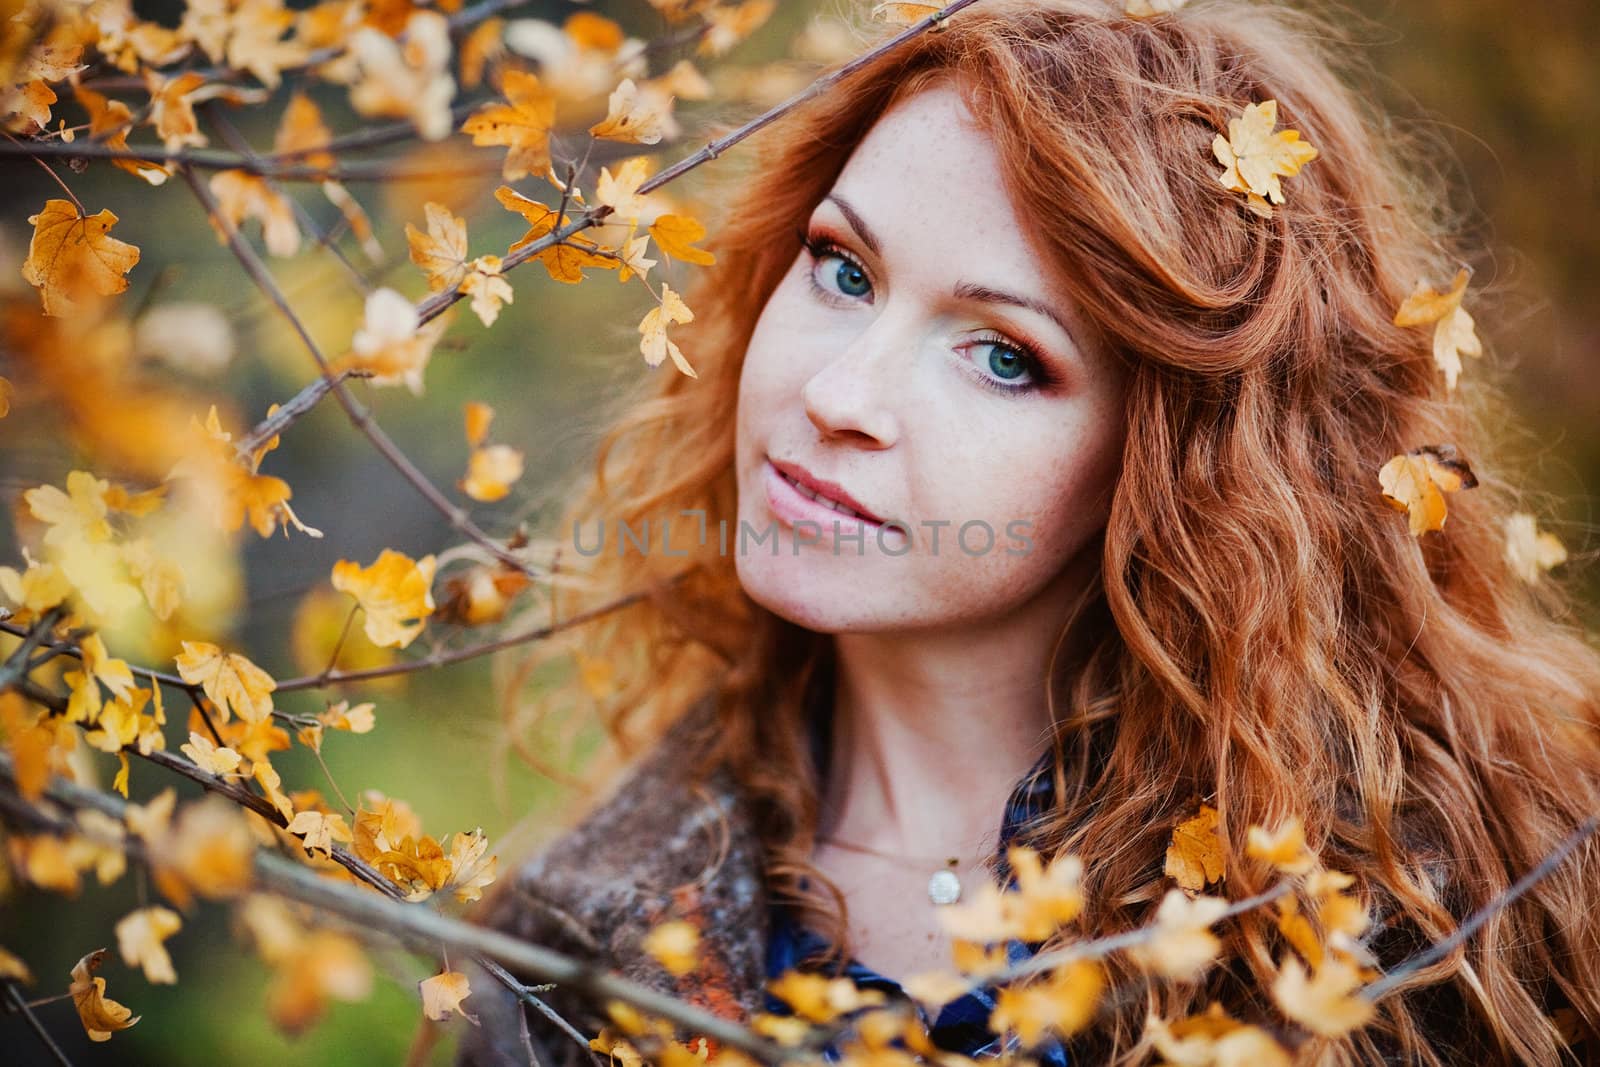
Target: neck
{"points": [[930, 735]]}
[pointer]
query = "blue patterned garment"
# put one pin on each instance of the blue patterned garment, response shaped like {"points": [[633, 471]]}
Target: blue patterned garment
{"points": [[962, 1025]]}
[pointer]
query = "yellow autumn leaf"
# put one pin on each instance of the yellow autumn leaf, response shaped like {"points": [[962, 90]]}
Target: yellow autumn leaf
{"points": [[207, 850], [634, 260], [631, 116], [1529, 550], [443, 994], [982, 917], [1045, 898], [37, 589], [410, 81], [1255, 157], [356, 720], [728, 24], [471, 867], [110, 672], [242, 196], [230, 680], [1212, 1039], [172, 109], [73, 258], [319, 830], [13, 968], [1415, 482], [488, 290], [522, 124], [1063, 1002], [564, 261], [653, 340], [620, 191], [481, 51], [1180, 945], [1194, 857], [302, 133], [209, 757], [676, 234], [258, 44], [1337, 911], [109, 123], [395, 593], [1298, 931], [231, 484], [903, 13], [480, 594], [1453, 329], [1284, 848], [1324, 1003], [271, 784], [821, 999], [140, 937], [675, 945], [393, 345], [491, 470], [935, 989], [478, 416], [100, 1015], [442, 251]]}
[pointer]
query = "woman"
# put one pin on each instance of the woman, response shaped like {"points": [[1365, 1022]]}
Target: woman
{"points": [[991, 281]]}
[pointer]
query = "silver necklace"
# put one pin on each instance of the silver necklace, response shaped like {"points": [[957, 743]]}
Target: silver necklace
{"points": [[944, 885]]}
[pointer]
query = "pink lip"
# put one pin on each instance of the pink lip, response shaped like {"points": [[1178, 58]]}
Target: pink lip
{"points": [[832, 490], [790, 506]]}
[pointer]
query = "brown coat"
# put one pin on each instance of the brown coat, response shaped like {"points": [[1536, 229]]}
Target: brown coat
{"points": [[594, 893]]}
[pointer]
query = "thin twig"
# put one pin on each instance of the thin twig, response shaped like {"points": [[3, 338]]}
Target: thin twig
{"points": [[290, 410], [428, 930], [1439, 949], [464, 19], [18, 1004], [337, 677], [379, 170], [435, 304], [359, 415], [16, 665], [83, 212], [237, 142]]}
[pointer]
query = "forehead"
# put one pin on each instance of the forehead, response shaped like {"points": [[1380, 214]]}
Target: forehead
{"points": [[926, 180]]}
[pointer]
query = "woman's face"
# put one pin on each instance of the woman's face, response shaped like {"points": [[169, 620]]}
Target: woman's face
{"points": [[919, 356]]}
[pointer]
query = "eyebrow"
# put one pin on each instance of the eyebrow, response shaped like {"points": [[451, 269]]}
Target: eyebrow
{"points": [[964, 290]]}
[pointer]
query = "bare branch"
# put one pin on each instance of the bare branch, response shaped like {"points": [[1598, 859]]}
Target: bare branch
{"points": [[435, 304], [384, 170], [359, 415], [20, 1005], [427, 930], [290, 410]]}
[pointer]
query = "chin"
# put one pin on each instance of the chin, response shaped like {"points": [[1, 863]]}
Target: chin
{"points": [[792, 589]]}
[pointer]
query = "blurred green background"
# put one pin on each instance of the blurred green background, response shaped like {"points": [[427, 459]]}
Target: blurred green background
{"points": [[1512, 96]]}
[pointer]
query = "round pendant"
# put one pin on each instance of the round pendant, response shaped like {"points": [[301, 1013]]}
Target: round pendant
{"points": [[944, 887]]}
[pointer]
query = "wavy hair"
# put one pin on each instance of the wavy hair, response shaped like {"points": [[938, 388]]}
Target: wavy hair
{"points": [[1265, 634]]}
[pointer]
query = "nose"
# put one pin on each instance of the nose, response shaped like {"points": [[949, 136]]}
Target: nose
{"points": [[849, 396]]}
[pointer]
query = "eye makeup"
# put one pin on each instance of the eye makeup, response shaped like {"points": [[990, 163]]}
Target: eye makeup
{"points": [[819, 245]]}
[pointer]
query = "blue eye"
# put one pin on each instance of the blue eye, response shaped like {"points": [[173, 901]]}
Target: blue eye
{"points": [[1008, 367], [849, 278], [1011, 368], [1005, 361]]}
